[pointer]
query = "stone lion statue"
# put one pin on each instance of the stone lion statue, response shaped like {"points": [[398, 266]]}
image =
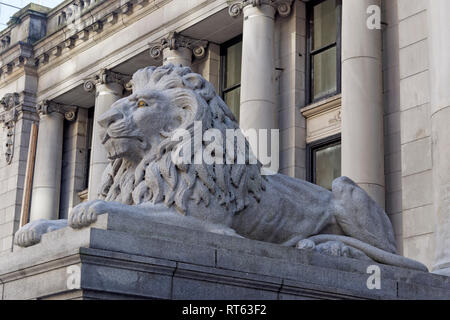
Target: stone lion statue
{"points": [[231, 199]]}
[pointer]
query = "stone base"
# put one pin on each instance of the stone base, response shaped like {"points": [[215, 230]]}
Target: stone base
{"points": [[122, 258]]}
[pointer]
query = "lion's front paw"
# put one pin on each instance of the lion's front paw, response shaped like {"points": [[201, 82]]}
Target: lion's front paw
{"points": [[31, 233], [86, 214], [27, 237]]}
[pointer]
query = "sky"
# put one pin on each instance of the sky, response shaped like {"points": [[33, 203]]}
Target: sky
{"points": [[6, 11]]}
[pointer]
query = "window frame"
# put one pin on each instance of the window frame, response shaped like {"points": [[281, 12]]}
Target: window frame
{"points": [[310, 53], [310, 159], [223, 65]]}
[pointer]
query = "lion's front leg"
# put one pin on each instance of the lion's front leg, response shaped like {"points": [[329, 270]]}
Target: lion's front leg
{"points": [[86, 214], [31, 233]]}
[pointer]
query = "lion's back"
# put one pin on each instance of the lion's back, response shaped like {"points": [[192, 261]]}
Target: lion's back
{"points": [[289, 208]]}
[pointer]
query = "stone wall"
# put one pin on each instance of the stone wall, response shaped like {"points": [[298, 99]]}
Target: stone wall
{"points": [[417, 186], [12, 178], [290, 84]]}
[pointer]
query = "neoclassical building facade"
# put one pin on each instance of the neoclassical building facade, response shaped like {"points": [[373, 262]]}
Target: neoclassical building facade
{"points": [[355, 87]]}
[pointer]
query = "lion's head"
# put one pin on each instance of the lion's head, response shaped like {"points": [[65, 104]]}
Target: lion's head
{"points": [[138, 135]]}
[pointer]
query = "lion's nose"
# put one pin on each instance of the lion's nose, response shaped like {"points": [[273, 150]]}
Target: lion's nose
{"points": [[109, 117]]}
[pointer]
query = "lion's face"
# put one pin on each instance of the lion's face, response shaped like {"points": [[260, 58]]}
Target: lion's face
{"points": [[142, 130], [136, 123]]}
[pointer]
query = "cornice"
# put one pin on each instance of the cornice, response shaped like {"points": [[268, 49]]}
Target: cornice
{"points": [[321, 106], [18, 56], [100, 18]]}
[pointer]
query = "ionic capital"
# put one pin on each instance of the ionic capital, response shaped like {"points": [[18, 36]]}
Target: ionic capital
{"points": [[283, 7], [174, 41], [105, 76], [47, 107]]}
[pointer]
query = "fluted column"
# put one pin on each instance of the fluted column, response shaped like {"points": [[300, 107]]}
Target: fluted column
{"points": [[362, 100], [178, 49], [108, 87], [258, 108], [439, 53], [47, 175]]}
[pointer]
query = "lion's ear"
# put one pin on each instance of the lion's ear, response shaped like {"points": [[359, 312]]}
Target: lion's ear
{"points": [[191, 109], [193, 81]]}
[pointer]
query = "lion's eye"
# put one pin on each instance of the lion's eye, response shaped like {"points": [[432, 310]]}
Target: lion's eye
{"points": [[142, 104]]}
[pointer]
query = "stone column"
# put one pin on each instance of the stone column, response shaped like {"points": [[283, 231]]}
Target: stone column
{"points": [[439, 52], [362, 100], [47, 174], [178, 49], [258, 109], [108, 87]]}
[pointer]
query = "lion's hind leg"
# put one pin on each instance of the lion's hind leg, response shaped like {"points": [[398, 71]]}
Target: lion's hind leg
{"points": [[360, 217]]}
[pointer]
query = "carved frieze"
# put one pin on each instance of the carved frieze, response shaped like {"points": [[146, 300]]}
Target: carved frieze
{"points": [[174, 41], [283, 7], [10, 103]]}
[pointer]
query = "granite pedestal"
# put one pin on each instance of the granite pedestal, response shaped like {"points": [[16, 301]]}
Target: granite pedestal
{"points": [[123, 258]]}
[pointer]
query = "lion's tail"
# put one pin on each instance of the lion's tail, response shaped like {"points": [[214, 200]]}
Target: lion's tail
{"points": [[372, 252]]}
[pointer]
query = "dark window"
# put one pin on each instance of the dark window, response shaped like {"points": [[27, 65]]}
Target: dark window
{"points": [[90, 127], [323, 49], [231, 59], [324, 161]]}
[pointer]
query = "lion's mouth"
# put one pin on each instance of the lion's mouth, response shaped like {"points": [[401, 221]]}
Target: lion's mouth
{"points": [[108, 137]]}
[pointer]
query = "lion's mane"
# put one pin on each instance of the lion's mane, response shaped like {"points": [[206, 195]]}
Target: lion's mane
{"points": [[158, 179]]}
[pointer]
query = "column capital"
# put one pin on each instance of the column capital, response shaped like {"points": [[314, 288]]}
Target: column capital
{"points": [[175, 40], [105, 76], [283, 7], [47, 107]]}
